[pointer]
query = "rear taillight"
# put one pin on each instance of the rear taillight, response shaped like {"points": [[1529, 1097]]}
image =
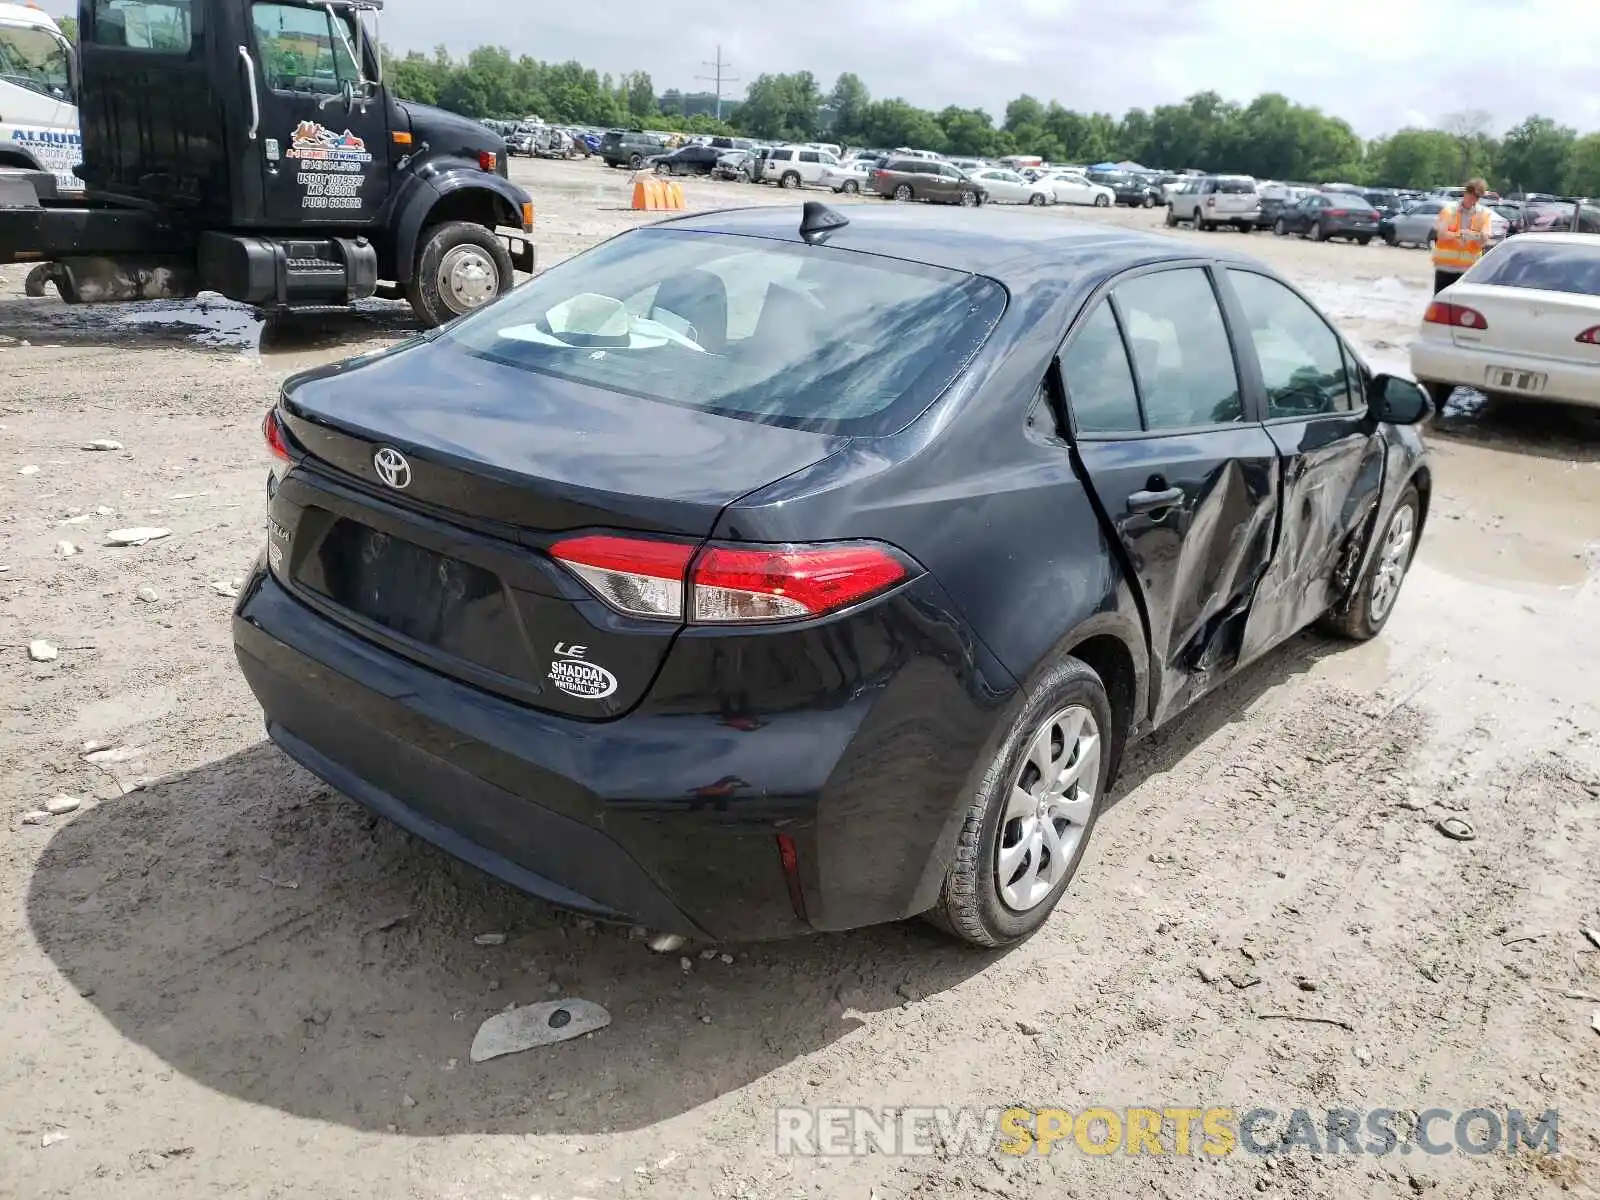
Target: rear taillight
{"points": [[488, 160], [638, 576], [1590, 336], [1458, 315], [736, 584], [729, 584], [277, 440]]}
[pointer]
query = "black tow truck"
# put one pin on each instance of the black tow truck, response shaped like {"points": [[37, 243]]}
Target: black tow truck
{"points": [[251, 148]]}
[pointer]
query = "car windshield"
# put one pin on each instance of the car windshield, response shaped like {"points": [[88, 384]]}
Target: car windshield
{"points": [[784, 334], [1542, 266], [34, 59]]}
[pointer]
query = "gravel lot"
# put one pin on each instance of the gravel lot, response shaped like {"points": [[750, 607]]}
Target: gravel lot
{"points": [[220, 978]]}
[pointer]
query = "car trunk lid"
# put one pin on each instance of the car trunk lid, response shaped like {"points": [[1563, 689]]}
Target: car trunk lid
{"points": [[437, 483], [1527, 322]]}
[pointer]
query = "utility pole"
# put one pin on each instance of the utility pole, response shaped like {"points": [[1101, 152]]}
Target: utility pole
{"points": [[719, 78]]}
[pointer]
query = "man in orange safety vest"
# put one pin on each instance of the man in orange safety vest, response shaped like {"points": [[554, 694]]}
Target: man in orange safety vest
{"points": [[1461, 235]]}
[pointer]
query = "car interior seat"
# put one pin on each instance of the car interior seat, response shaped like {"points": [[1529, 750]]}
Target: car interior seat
{"points": [[700, 299]]}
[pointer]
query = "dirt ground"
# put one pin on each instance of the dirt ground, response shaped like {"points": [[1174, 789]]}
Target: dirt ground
{"points": [[219, 978]]}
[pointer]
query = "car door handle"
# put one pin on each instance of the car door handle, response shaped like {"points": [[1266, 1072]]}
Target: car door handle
{"points": [[1144, 502]]}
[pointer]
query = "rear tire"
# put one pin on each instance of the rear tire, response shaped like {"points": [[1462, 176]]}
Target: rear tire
{"points": [[850, 187], [789, 181], [971, 905], [453, 270], [1438, 395], [1316, 234], [1038, 200], [1364, 241], [903, 192], [1171, 219], [1379, 589], [1279, 229]]}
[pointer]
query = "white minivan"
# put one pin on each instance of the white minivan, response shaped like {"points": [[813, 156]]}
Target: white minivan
{"points": [[38, 121]]}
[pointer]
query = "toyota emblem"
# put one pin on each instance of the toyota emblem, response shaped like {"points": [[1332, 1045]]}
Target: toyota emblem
{"points": [[392, 467]]}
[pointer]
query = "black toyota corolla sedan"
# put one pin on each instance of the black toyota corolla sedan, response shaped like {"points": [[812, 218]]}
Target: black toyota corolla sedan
{"points": [[765, 571]]}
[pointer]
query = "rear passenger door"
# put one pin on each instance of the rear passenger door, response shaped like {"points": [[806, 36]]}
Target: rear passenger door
{"points": [[1330, 453], [1184, 473]]}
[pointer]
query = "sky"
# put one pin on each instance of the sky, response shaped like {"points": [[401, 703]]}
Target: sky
{"points": [[1380, 66]]}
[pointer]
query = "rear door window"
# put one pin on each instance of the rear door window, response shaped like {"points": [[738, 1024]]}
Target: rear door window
{"points": [[1542, 266], [159, 26], [1302, 362], [1181, 351], [809, 156], [1099, 378]]}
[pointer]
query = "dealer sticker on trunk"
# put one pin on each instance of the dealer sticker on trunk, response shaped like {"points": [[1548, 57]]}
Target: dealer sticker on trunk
{"points": [[576, 676]]}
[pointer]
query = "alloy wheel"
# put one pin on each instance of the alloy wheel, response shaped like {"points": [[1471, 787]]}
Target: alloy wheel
{"points": [[1052, 800], [1393, 558]]}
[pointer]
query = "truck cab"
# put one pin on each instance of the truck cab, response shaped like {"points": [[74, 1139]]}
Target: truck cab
{"points": [[38, 120], [251, 147]]}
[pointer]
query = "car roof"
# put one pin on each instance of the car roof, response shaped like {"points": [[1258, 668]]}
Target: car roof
{"points": [[1587, 240], [1017, 249]]}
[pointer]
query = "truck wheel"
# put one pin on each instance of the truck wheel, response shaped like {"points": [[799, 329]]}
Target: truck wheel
{"points": [[460, 267]]}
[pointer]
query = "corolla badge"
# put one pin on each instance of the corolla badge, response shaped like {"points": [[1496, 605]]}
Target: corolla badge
{"points": [[392, 467]]}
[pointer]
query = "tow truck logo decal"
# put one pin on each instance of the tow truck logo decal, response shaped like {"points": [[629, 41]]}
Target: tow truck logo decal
{"points": [[314, 141], [331, 166]]}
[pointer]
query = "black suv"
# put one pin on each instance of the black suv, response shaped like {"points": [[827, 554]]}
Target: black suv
{"points": [[622, 147]]}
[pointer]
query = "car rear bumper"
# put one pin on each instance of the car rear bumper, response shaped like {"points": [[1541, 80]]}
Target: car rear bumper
{"points": [[1367, 229], [666, 817], [1468, 366]]}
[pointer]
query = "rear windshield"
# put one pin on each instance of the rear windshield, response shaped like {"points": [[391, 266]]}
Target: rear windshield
{"points": [[780, 333], [1544, 266], [1235, 187]]}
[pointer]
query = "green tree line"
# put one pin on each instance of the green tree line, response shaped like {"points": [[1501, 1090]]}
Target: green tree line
{"points": [[1271, 137]]}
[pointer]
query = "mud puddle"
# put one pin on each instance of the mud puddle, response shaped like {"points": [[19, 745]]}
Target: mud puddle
{"points": [[207, 323]]}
